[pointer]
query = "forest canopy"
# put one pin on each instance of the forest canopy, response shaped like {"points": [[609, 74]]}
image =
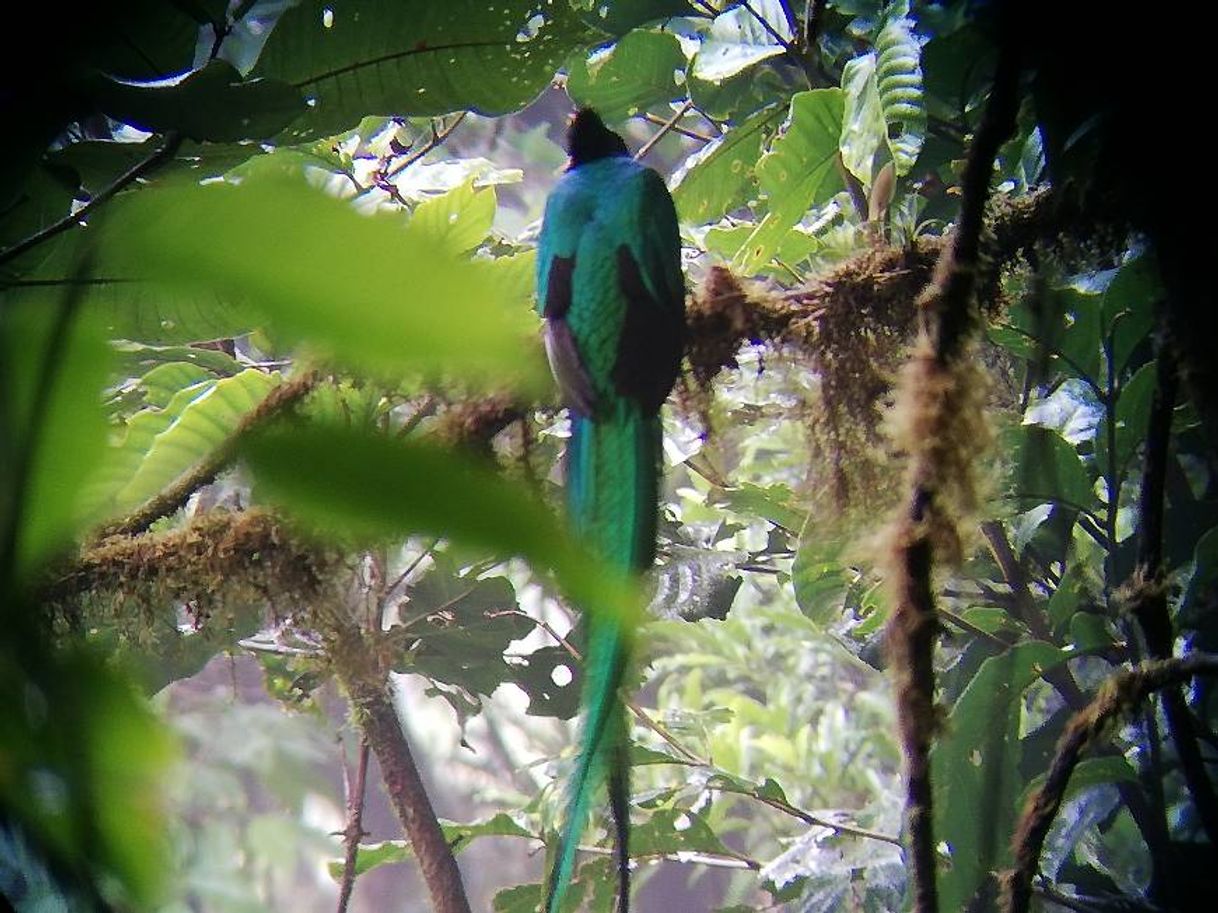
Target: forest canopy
{"points": [[932, 625]]}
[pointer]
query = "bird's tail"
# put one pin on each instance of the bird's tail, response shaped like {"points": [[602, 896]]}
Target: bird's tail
{"points": [[612, 478]]}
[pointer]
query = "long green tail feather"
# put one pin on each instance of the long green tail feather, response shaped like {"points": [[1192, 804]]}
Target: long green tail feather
{"points": [[612, 479]]}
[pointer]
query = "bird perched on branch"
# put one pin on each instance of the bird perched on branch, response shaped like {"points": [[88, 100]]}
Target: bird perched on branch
{"points": [[609, 284]]}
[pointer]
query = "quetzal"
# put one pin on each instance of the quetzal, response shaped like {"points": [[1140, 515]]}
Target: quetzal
{"points": [[609, 285]]}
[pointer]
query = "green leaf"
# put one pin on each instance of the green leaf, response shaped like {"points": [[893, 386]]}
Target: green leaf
{"points": [[162, 444], [127, 308], [737, 40], [458, 630], [797, 173], [369, 291], [333, 478], [457, 835], [629, 77], [55, 362], [620, 16], [212, 103], [165, 381], [1127, 310], [391, 58], [899, 80], [86, 763], [1202, 587], [1048, 468], [884, 116], [672, 830], [718, 177], [975, 768], [772, 502], [461, 218], [1132, 418]]}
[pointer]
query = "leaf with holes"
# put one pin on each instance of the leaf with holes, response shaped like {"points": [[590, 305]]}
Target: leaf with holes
{"points": [[391, 58], [457, 630], [797, 173], [719, 177], [631, 76]]}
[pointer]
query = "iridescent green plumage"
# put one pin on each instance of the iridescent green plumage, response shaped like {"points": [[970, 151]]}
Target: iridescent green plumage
{"points": [[610, 287]]}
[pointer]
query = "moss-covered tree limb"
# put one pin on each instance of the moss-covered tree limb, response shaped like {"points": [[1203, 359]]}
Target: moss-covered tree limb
{"points": [[1120, 695], [940, 424]]}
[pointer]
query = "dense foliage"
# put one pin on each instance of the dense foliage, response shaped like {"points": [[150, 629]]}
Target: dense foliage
{"points": [[271, 387]]}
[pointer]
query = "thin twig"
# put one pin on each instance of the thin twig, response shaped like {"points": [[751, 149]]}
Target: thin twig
{"points": [[368, 689], [676, 128], [169, 148], [354, 831], [668, 125]]}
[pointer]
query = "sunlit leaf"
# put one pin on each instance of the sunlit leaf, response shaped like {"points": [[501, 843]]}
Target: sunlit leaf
{"points": [[717, 178], [370, 291], [161, 444], [797, 173], [738, 39]]}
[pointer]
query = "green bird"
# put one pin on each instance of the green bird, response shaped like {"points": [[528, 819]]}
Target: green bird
{"points": [[609, 285]]}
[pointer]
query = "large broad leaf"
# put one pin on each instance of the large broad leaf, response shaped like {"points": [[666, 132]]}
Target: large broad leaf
{"points": [[54, 362], [717, 178], [975, 769], [417, 58], [161, 444], [213, 103], [738, 39], [1132, 419], [123, 307], [371, 291], [1049, 469], [458, 629], [637, 72], [462, 217], [885, 119], [333, 478], [797, 173]]}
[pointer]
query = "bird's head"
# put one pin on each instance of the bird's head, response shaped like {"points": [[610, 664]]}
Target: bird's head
{"points": [[588, 139]]}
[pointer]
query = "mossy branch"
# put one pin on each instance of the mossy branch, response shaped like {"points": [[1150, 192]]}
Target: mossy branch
{"points": [[1118, 696], [940, 423]]}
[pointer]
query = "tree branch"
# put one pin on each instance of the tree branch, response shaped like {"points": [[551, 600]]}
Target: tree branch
{"points": [[1118, 696], [940, 414], [354, 831], [1149, 589], [167, 151], [364, 680]]}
